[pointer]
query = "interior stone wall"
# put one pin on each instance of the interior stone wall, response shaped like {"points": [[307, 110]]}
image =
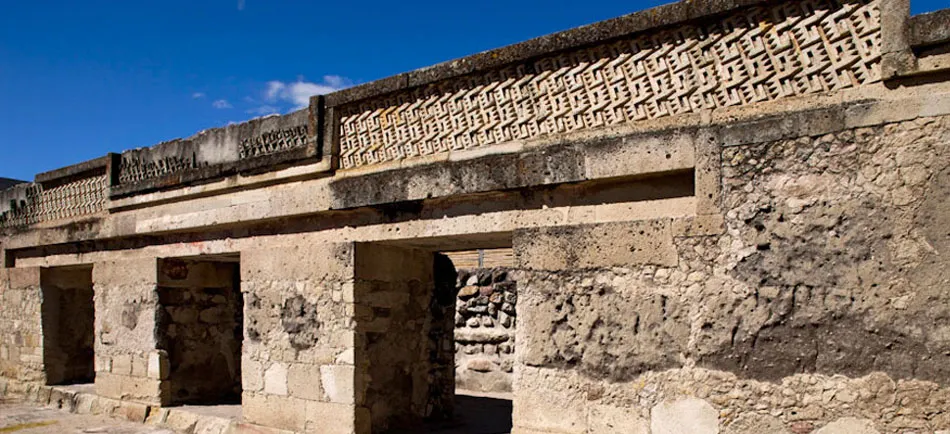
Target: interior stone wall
{"points": [[68, 325], [201, 329], [815, 302], [441, 342], [393, 292], [485, 322]]}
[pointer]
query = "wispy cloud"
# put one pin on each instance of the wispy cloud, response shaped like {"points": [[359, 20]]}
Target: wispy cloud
{"points": [[298, 93], [221, 104], [240, 5], [263, 110], [198, 95]]}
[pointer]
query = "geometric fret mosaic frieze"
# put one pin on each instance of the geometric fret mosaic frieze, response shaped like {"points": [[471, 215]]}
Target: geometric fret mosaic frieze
{"points": [[81, 197], [758, 54]]}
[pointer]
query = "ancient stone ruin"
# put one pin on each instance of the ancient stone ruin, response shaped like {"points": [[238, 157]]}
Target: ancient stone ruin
{"points": [[716, 217]]}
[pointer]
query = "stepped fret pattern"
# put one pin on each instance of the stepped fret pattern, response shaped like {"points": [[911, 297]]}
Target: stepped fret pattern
{"points": [[82, 197], [759, 54]]}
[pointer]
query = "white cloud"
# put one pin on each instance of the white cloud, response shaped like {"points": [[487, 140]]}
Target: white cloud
{"points": [[240, 5], [198, 95], [221, 104], [263, 110], [299, 92]]}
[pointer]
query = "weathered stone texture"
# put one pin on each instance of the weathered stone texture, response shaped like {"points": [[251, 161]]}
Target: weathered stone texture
{"points": [[126, 303], [821, 297], [21, 347], [298, 304]]}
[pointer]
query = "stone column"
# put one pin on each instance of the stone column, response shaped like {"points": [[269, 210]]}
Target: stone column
{"points": [[576, 325], [21, 341], [128, 364], [298, 352]]}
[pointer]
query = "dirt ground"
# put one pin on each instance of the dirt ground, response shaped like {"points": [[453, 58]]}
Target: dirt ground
{"points": [[21, 418]]}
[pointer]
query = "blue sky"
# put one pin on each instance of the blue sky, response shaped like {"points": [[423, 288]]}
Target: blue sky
{"points": [[82, 78]]}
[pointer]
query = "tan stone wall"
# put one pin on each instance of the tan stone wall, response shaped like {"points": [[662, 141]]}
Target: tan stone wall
{"points": [[818, 303], [21, 345], [128, 363], [298, 362]]}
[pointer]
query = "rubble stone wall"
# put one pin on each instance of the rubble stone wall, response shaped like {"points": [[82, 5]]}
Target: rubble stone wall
{"points": [[485, 322], [817, 302]]}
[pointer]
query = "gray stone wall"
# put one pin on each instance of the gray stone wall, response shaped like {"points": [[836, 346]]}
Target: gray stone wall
{"points": [[485, 322]]}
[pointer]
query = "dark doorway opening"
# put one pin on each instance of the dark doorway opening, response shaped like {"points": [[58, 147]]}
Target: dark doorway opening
{"points": [[468, 341], [201, 324], [68, 317]]}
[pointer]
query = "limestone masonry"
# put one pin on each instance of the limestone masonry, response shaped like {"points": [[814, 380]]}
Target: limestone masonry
{"points": [[715, 216]]}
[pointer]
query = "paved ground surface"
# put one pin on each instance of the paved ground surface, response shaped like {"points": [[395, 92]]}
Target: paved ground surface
{"points": [[20, 418], [476, 414]]}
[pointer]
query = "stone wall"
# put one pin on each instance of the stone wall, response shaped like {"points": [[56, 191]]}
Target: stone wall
{"points": [[128, 364], [816, 303], [21, 343], [201, 329], [298, 362], [485, 322]]}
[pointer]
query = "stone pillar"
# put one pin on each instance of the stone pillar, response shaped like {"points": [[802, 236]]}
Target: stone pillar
{"points": [[298, 352], [21, 341], [129, 365], [392, 293], [336, 337], [576, 325]]}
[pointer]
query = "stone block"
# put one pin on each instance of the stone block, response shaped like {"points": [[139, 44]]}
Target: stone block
{"points": [[24, 278], [549, 401], [849, 425], [338, 383], [303, 381], [140, 366], [605, 419], [755, 423], [159, 366], [590, 246], [332, 418], [122, 387], [122, 364], [329, 261], [275, 379], [181, 421], [686, 416], [252, 375], [126, 272], [274, 411]]}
